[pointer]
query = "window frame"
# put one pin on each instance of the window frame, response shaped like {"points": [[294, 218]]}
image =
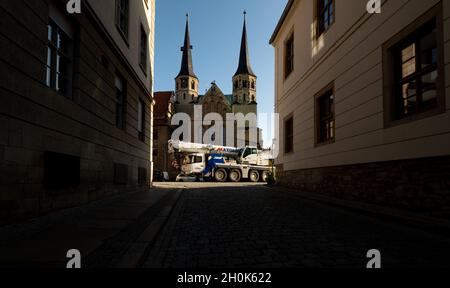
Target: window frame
{"points": [[288, 138], [390, 92], [143, 49], [121, 108], [329, 89], [123, 31], [289, 58], [141, 119], [53, 52], [321, 12]]}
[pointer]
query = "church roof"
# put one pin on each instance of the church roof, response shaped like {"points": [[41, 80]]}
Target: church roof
{"points": [[244, 59], [187, 68]]}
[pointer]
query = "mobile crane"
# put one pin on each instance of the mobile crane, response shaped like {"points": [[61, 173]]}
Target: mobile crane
{"points": [[222, 163]]}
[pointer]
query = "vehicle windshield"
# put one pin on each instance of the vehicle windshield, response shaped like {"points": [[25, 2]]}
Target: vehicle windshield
{"points": [[248, 152], [192, 159]]}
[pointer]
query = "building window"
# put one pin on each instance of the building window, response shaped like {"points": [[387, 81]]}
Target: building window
{"points": [[184, 83], [289, 56], [59, 60], [325, 15], [193, 85], [56, 178], [120, 102], [122, 17], [143, 50], [236, 84], [141, 120], [120, 174], [289, 135], [413, 71], [253, 84], [142, 176], [325, 125]]}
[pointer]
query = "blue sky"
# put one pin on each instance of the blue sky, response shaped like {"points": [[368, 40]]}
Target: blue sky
{"points": [[216, 30]]}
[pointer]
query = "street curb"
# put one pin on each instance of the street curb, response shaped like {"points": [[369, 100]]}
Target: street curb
{"points": [[425, 223], [138, 250]]}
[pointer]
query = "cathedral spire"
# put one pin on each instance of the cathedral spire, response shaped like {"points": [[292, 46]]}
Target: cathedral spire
{"points": [[244, 60], [187, 69]]}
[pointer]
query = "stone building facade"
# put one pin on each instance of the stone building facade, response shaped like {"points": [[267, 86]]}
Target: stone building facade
{"points": [[364, 101], [76, 93]]}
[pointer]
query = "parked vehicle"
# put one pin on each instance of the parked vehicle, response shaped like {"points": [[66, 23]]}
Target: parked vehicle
{"points": [[221, 163], [160, 176], [188, 178]]}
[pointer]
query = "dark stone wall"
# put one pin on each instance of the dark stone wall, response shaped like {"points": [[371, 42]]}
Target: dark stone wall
{"points": [[35, 120], [420, 185]]}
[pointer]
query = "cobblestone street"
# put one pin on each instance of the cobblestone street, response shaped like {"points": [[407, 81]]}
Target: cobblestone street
{"points": [[212, 225], [245, 225]]}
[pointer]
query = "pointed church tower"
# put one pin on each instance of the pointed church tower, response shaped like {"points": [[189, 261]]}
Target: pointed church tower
{"points": [[244, 80], [186, 82]]}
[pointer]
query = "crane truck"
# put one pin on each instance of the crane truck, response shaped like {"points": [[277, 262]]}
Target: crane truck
{"points": [[221, 163]]}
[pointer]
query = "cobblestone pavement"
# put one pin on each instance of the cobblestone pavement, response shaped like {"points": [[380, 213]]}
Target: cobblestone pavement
{"points": [[102, 231], [229, 225]]}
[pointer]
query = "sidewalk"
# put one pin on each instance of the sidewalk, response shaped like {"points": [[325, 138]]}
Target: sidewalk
{"points": [[421, 221], [104, 232]]}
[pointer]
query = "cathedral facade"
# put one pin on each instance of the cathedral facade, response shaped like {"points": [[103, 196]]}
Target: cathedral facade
{"points": [[241, 102]]}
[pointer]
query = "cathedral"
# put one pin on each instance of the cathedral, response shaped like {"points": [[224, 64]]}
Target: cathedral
{"points": [[242, 100]]}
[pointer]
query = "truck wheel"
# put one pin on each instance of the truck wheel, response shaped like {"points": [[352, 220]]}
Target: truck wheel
{"points": [[254, 176], [235, 175], [265, 175], [220, 175]]}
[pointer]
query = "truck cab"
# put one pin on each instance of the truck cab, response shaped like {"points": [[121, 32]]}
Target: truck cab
{"points": [[249, 155], [193, 163], [252, 156]]}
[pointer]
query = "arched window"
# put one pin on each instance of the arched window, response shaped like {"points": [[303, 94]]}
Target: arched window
{"points": [[193, 85], [236, 84], [244, 84], [253, 84]]}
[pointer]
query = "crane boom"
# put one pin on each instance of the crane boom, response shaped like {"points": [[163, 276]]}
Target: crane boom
{"points": [[187, 147]]}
